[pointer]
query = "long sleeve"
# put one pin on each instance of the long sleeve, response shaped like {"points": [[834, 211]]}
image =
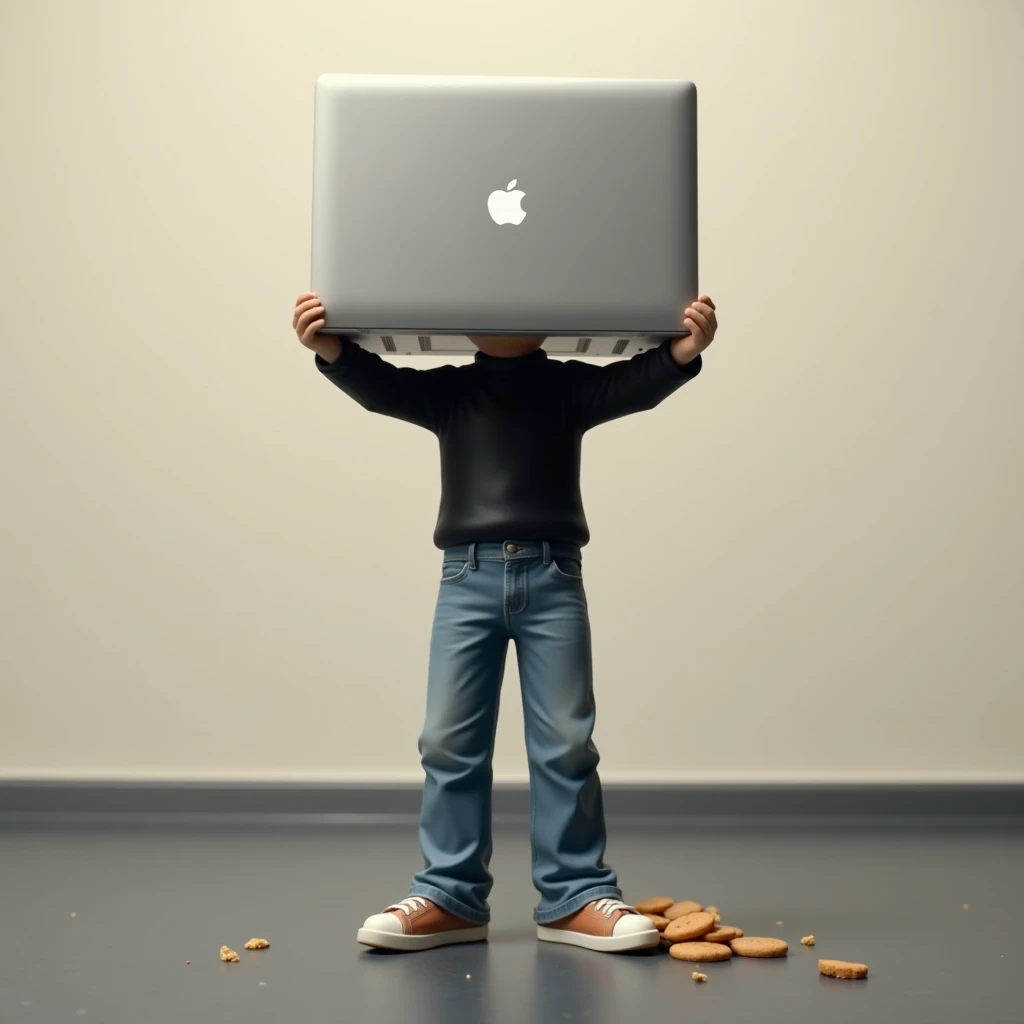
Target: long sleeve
{"points": [[415, 396], [603, 393]]}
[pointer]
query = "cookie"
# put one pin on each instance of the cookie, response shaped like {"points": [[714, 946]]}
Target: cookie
{"points": [[807, 940], [658, 921], [697, 976], [257, 944], [724, 933], [228, 955], [841, 969], [655, 905], [689, 926], [700, 952], [759, 947], [680, 909]]}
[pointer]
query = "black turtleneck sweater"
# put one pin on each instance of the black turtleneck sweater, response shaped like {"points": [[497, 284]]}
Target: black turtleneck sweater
{"points": [[510, 431]]}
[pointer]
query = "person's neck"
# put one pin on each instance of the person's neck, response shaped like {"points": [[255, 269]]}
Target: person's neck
{"points": [[508, 347]]}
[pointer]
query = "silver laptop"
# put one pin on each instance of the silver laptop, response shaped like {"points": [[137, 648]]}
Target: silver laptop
{"points": [[450, 206]]}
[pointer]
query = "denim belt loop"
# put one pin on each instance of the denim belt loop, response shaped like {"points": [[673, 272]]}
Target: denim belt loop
{"points": [[547, 553], [472, 555]]}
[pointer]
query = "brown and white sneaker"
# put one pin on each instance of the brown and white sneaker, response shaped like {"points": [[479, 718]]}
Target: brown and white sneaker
{"points": [[607, 925], [417, 923]]}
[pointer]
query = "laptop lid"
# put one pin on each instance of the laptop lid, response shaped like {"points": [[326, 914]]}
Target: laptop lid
{"points": [[447, 206]]}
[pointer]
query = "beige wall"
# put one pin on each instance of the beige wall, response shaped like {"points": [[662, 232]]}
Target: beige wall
{"points": [[809, 565]]}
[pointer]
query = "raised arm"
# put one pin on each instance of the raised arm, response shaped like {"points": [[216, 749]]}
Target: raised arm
{"points": [[605, 393], [415, 396]]}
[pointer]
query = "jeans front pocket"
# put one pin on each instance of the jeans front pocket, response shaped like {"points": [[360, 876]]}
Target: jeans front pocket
{"points": [[452, 572], [569, 569]]}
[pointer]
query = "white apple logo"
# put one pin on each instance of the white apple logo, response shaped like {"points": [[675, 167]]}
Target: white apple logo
{"points": [[503, 205]]}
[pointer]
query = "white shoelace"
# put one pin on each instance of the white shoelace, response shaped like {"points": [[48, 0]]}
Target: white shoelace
{"points": [[608, 907], [407, 906]]}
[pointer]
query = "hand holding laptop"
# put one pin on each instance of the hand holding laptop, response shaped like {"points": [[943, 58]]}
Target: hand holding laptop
{"points": [[701, 320], [307, 320]]}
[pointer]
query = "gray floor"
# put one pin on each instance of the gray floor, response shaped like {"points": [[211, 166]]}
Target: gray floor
{"points": [[97, 924]]}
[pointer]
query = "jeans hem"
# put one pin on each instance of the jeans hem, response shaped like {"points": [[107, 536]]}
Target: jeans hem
{"points": [[571, 906], [449, 903]]}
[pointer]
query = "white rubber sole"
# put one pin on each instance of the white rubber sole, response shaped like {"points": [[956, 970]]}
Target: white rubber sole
{"points": [[601, 943], [415, 943]]}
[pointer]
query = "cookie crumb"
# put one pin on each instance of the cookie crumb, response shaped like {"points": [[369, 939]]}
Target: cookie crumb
{"points": [[697, 976], [228, 955], [188, 963], [778, 924], [967, 906], [807, 940], [257, 944], [712, 911], [73, 914]]}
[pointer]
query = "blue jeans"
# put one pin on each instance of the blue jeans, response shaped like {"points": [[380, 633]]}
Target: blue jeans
{"points": [[530, 592]]}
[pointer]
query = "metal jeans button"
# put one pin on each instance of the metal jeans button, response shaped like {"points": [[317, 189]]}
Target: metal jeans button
{"points": [[511, 549]]}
